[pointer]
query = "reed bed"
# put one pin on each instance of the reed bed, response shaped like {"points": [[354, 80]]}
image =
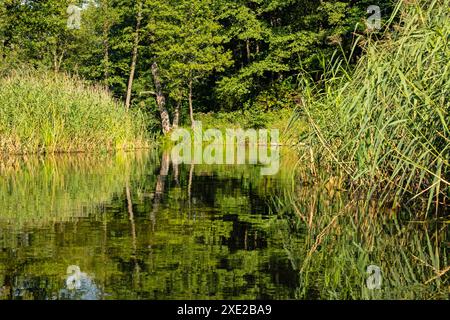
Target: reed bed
{"points": [[385, 124], [44, 112]]}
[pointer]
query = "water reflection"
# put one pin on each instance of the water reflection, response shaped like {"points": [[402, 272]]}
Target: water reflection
{"points": [[141, 228], [138, 226]]}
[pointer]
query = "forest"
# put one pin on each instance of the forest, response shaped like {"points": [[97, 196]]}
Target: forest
{"points": [[206, 56]]}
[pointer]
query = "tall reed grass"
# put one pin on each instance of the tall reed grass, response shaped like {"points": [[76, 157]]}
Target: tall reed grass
{"points": [[44, 112], [386, 123]]}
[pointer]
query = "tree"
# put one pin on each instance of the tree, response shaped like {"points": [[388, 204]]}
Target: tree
{"points": [[3, 26], [274, 40], [233, 53], [161, 100], [36, 32], [189, 44], [134, 55]]}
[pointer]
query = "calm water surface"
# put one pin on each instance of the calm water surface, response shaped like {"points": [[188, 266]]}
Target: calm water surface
{"points": [[138, 227]]}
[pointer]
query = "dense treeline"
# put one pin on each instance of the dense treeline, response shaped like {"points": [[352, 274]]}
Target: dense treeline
{"points": [[206, 55]]}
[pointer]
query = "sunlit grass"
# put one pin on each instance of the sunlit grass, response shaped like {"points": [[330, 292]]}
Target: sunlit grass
{"points": [[44, 112]]}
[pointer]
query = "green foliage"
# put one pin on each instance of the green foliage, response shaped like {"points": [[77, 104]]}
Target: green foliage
{"points": [[231, 50], [78, 214], [60, 188], [340, 237], [246, 119], [214, 233], [275, 40], [188, 43]]}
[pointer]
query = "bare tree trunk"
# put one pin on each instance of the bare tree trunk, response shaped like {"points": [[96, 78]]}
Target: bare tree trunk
{"points": [[2, 50], [134, 57], [160, 100], [106, 29], [133, 233], [176, 173], [248, 50], [131, 214], [163, 173], [106, 58], [176, 115], [61, 57], [55, 61], [191, 108], [191, 177]]}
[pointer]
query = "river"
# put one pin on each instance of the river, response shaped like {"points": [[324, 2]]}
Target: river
{"points": [[137, 226]]}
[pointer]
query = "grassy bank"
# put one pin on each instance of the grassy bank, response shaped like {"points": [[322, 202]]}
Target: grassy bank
{"points": [[47, 113], [386, 124]]}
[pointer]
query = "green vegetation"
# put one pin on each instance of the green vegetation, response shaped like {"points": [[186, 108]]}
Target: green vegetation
{"points": [[59, 188], [213, 233], [210, 56], [364, 115], [386, 124], [48, 113], [82, 203]]}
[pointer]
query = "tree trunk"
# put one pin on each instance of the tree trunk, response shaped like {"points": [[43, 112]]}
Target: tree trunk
{"points": [[57, 59], [176, 115], [176, 173], [191, 108], [248, 50], [160, 100], [163, 173], [134, 57], [106, 28], [191, 178], [160, 186], [106, 58]]}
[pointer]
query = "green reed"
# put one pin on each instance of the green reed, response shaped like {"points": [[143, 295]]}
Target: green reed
{"points": [[44, 112], [386, 123]]}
